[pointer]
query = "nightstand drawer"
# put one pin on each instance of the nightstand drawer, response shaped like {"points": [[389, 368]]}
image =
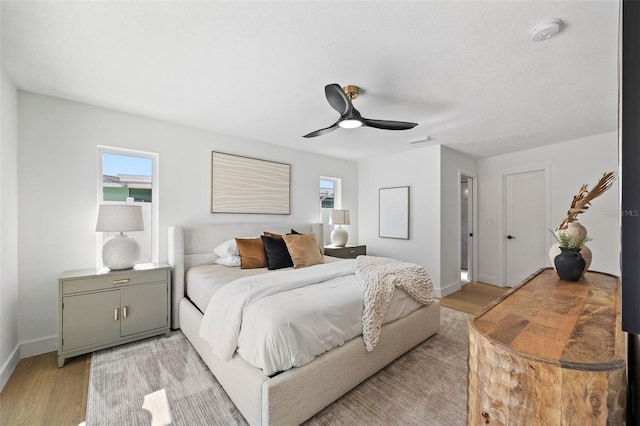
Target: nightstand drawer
{"points": [[348, 252], [98, 282]]}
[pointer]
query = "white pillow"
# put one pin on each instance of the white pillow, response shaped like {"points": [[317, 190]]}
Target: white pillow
{"points": [[227, 249], [228, 261]]}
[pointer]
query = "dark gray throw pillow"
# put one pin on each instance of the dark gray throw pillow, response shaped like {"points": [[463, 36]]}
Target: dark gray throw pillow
{"points": [[278, 256]]}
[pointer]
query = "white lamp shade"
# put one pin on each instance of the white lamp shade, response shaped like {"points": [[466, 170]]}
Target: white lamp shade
{"points": [[339, 217], [119, 218]]}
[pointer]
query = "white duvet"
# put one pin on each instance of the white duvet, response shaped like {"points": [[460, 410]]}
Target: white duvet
{"points": [[285, 319]]}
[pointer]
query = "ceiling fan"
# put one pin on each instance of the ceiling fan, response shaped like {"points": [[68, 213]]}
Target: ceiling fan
{"points": [[340, 99]]}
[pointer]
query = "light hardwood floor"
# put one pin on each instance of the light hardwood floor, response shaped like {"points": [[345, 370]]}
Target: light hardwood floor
{"points": [[473, 297], [40, 393]]}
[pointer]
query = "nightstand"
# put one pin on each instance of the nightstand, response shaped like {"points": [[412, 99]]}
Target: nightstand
{"points": [[347, 252], [100, 310]]}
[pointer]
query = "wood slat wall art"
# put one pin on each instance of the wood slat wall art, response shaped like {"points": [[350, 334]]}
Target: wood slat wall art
{"points": [[249, 185]]}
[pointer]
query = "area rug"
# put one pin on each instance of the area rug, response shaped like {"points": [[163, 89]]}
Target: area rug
{"points": [[426, 386]]}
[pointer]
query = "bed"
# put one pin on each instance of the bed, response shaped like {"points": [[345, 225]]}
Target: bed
{"points": [[292, 396]]}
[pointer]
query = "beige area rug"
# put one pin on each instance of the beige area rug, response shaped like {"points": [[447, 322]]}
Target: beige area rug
{"points": [[426, 386]]}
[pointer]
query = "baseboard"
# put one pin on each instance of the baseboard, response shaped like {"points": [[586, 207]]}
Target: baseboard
{"points": [[9, 367], [448, 289], [37, 347], [488, 279]]}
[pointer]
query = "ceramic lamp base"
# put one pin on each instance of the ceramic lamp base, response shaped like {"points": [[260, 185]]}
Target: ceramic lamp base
{"points": [[339, 237], [120, 252]]}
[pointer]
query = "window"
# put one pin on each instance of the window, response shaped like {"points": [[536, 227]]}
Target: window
{"points": [[327, 192], [330, 198], [130, 177], [126, 176]]}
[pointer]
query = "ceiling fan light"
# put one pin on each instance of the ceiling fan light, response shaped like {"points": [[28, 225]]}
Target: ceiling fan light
{"points": [[350, 123]]}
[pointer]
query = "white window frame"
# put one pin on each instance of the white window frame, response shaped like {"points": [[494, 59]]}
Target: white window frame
{"points": [[337, 192], [155, 203], [337, 204]]}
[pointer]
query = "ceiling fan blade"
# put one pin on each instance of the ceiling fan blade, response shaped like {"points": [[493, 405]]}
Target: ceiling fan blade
{"points": [[338, 99], [322, 131], [388, 124]]}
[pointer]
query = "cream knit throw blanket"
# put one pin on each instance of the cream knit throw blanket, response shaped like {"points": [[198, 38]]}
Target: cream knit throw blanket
{"points": [[379, 276]]}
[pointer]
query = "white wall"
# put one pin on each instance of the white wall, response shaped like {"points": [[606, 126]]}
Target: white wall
{"points": [[419, 169], [57, 168], [453, 164], [571, 164], [9, 354], [57, 197]]}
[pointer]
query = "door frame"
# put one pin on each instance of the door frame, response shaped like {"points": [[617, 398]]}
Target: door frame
{"points": [[502, 216], [473, 267]]}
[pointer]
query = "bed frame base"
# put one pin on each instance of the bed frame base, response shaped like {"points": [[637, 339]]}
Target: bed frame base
{"points": [[294, 396], [291, 397]]}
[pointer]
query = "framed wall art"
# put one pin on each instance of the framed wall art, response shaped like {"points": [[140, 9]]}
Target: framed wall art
{"points": [[394, 212], [249, 185]]}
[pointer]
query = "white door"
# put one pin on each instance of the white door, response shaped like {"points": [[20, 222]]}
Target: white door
{"points": [[525, 225]]}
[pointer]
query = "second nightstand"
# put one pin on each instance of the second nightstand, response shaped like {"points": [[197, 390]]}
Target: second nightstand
{"points": [[347, 252]]}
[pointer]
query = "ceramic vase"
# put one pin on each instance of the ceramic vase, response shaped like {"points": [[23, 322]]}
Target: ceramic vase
{"points": [[573, 228], [569, 264]]}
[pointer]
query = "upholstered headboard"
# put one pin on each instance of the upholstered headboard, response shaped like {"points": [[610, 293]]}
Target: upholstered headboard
{"points": [[193, 245]]}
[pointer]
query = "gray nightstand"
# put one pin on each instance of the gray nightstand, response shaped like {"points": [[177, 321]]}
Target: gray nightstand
{"points": [[347, 252], [100, 310]]}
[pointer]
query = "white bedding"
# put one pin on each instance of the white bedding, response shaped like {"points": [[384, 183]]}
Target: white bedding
{"points": [[286, 318], [203, 281]]}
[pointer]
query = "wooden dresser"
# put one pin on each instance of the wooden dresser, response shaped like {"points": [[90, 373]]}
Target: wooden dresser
{"points": [[549, 352]]}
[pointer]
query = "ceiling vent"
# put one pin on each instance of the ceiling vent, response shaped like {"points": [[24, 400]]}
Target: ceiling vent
{"points": [[422, 140], [545, 29]]}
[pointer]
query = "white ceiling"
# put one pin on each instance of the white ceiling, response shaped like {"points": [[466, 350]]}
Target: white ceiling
{"points": [[467, 72]]}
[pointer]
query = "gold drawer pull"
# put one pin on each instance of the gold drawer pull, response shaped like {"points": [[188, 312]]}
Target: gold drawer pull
{"points": [[124, 312], [123, 281], [352, 251], [115, 314]]}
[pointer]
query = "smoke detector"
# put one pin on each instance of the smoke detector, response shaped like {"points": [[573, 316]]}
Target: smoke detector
{"points": [[545, 30]]}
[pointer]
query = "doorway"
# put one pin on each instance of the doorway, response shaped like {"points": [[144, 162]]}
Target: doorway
{"points": [[525, 232], [466, 228]]}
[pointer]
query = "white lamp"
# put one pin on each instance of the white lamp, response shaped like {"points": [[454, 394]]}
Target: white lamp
{"points": [[121, 251], [339, 236]]}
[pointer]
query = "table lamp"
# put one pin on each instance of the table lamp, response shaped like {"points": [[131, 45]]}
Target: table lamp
{"points": [[121, 251], [339, 236]]}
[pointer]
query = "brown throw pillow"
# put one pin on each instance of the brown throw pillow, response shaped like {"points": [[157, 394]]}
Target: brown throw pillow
{"points": [[303, 249], [251, 253]]}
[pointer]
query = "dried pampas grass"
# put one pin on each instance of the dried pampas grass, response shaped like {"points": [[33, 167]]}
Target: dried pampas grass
{"points": [[582, 200]]}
